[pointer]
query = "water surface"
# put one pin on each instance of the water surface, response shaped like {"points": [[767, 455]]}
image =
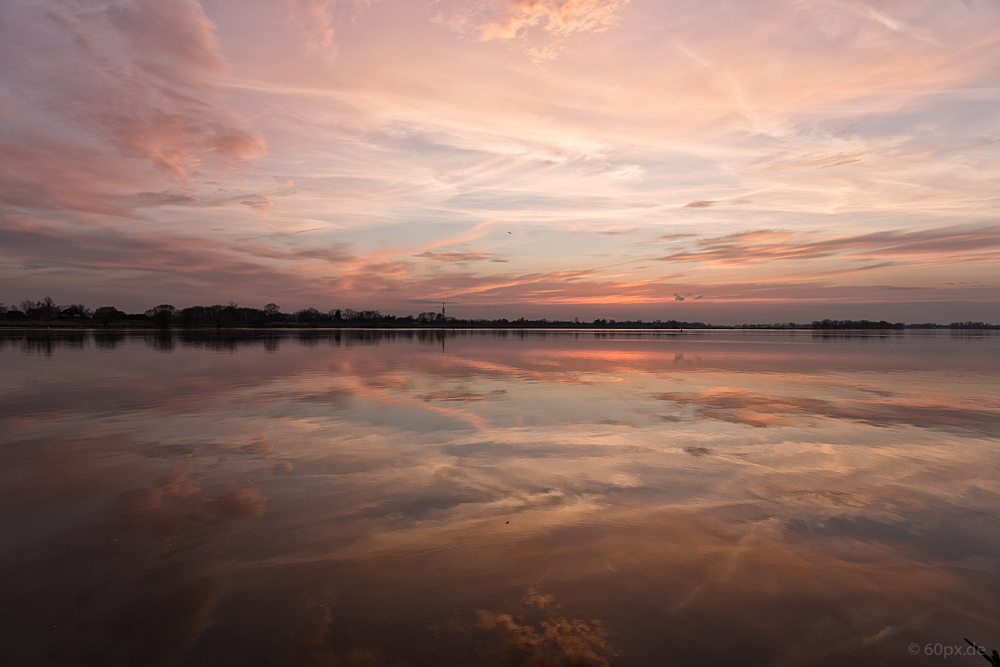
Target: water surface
{"points": [[498, 498]]}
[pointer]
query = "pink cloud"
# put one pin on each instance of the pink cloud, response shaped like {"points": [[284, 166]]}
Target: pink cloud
{"points": [[979, 243], [170, 37], [175, 266], [317, 19], [114, 116], [202, 270], [136, 79], [561, 17], [471, 256]]}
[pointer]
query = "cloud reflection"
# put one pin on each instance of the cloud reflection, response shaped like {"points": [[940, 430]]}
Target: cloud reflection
{"points": [[741, 406], [347, 497]]}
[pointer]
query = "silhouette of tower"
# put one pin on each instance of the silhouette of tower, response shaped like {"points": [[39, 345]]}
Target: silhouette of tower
{"points": [[442, 310]]}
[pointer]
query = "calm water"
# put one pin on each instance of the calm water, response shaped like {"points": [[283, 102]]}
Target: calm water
{"points": [[483, 499]]}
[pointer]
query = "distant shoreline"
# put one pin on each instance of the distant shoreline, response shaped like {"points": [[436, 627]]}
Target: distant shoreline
{"points": [[47, 314], [138, 325]]}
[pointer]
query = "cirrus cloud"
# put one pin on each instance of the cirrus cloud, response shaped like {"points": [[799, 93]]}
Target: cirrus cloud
{"points": [[974, 243], [511, 19], [93, 85]]}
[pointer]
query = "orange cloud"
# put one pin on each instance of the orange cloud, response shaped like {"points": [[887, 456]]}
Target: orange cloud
{"points": [[561, 17]]}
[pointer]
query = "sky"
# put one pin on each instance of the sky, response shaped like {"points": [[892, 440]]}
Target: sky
{"points": [[720, 161]]}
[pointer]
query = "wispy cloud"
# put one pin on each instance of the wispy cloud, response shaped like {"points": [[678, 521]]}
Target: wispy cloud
{"points": [[785, 161], [748, 248], [185, 263], [561, 17], [617, 133], [317, 20], [105, 92], [470, 256]]}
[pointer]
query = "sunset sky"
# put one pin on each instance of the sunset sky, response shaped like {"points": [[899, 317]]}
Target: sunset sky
{"points": [[709, 160]]}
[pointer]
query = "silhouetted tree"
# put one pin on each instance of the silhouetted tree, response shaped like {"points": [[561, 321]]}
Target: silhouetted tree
{"points": [[106, 314], [192, 317], [213, 315], [47, 309], [229, 315], [162, 315], [992, 659], [972, 325], [311, 315], [855, 324]]}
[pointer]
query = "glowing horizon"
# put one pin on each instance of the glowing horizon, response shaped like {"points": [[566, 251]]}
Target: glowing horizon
{"points": [[787, 160]]}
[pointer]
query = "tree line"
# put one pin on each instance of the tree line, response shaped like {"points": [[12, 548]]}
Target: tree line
{"points": [[233, 315], [166, 315]]}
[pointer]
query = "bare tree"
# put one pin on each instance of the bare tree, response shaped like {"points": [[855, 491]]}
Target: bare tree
{"points": [[309, 315], [47, 309], [107, 314], [161, 315], [992, 659]]}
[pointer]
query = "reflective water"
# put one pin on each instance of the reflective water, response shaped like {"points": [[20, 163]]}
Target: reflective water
{"points": [[401, 498]]}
